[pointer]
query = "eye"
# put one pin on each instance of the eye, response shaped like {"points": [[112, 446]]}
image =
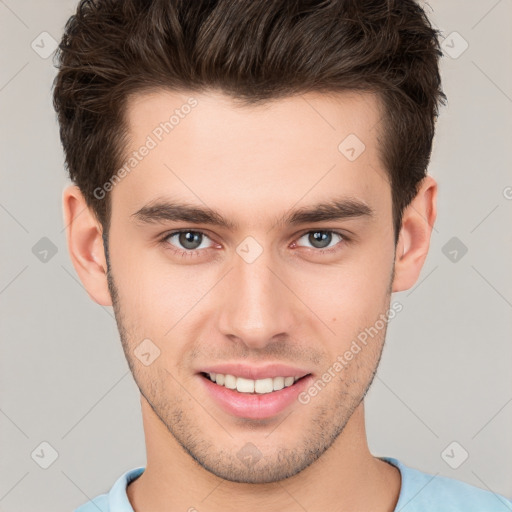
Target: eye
{"points": [[321, 239], [189, 243], [186, 242]]}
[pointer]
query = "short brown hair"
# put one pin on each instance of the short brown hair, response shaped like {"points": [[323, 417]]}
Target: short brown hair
{"points": [[251, 50]]}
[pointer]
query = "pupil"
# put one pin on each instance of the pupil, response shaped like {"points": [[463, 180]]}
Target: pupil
{"points": [[323, 238], [189, 238]]}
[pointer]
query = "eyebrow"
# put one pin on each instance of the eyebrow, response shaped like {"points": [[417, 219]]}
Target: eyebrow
{"points": [[333, 210]]}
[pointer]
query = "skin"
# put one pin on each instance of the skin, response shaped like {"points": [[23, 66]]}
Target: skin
{"points": [[292, 305]]}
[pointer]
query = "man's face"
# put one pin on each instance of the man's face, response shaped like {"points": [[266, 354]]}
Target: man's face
{"points": [[262, 290]]}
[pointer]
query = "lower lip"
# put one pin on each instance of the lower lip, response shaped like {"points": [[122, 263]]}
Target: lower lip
{"points": [[255, 406]]}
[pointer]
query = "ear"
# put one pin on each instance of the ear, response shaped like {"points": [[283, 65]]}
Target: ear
{"points": [[85, 245], [414, 239]]}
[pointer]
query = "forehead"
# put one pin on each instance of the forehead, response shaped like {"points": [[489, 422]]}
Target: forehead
{"points": [[208, 149], [283, 118]]}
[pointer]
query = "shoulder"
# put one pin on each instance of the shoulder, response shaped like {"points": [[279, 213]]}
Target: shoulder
{"points": [[425, 492], [116, 500], [100, 503]]}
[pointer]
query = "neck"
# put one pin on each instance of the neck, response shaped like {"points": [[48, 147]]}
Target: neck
{"points": [[345, 477]]}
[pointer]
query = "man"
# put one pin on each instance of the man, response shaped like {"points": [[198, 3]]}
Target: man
{"points": [[249, 189]]}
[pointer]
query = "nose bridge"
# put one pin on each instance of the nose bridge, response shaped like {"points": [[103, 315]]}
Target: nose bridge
{"points": [[256, 305]]}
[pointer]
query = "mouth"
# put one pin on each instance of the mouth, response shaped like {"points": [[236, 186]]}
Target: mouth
{"points": [[255, 399]]}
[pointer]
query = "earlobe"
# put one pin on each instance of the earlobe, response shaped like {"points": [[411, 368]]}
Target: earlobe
{"points": [[414, 239], [85, 245]]}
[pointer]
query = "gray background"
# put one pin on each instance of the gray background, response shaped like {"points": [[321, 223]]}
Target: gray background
{"points": [[445, 374]]}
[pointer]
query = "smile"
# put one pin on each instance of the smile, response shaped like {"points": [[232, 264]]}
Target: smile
{"points": [[259, 386]]}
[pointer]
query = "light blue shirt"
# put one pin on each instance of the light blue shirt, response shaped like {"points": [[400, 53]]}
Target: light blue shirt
{"points": [[420, 492]]}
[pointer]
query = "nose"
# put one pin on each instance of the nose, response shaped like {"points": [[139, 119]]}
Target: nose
{"points": [[257, 305]]}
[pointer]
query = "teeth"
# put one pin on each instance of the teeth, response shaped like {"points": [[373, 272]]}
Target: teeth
{"points": [[264, 385], [260, 386], [229, 381], [245, 385], [278, 383]]}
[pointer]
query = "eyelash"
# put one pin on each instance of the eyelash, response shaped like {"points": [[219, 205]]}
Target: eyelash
{"points": [[196, 252]]}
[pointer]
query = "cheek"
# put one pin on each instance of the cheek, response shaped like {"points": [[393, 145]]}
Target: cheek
{"points": [[160, 301], [354, 290]]}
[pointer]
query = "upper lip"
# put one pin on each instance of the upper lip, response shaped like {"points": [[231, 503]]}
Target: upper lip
{"points": [[256, 372]]}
